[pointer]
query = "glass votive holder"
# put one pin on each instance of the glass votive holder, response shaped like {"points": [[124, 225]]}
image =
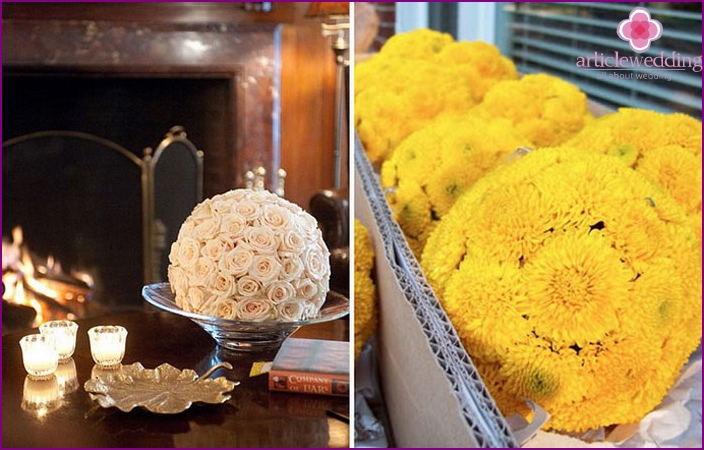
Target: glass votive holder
{"points": [[107, 344], [39, 355], [64, 333]]}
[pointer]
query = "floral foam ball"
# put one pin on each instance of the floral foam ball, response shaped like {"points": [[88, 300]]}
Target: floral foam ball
{"points": [[250, 256]]}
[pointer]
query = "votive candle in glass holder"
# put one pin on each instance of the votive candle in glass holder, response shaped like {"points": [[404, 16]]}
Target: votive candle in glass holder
{"points": [[64, 333], [107, 344], [39, 355]]}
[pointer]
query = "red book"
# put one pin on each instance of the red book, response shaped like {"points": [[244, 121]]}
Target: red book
{"points": [[312, 366]]}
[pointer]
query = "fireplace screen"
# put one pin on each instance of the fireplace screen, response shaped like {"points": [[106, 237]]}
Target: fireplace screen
{"points": [[106, 215]]}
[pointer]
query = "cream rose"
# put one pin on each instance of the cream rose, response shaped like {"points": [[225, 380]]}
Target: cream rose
{"points": [[187, 253], [202, 211], [291, 310], [195, 298], [224, 285], [247, 209], [262, 240], [275, 216], [179, 279], [306, 289], [291, 268], [207, 229], [309, 223], [253, 309], [265, 268], [222, 207], [280, 291], [293, 241], [237, 261], [186, 229], [173, 253], [204, 271], [248, 286], [323, 288], [315, 263], [215, 248], [233, 224], [224, 308]]}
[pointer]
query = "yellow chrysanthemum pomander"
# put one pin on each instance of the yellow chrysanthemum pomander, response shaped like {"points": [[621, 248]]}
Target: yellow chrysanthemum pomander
{"points": [[365, 308], [432, 167], [481, 60], [416, 77], [572, 281], [666, 148], [543, 108], [421, 43]]}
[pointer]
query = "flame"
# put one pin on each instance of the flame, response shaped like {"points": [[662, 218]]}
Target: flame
{"points": [[20, 297], [84, 277], [26, 283], [17, 236]]}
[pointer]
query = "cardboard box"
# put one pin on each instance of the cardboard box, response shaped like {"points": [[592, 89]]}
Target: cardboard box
{"points": [[434, 396]]}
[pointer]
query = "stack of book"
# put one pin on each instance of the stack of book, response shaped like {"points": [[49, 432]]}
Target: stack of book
{"points": [[312, 366]]}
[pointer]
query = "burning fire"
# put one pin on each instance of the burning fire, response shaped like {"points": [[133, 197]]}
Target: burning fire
{"points": [[42, 286]]}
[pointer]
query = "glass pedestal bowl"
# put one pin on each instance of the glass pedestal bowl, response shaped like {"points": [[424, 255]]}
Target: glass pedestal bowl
{"points": [[239, 336]]}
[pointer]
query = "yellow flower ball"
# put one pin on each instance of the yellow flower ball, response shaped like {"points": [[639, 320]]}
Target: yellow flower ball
{"points": [[481, 60], [416, 77], [572, 281], [421, 43], [365, 308], [544, 108], [666, 148], [432, 167]]}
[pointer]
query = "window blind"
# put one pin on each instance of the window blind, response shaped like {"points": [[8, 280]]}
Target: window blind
{"points": [[550, 37]]}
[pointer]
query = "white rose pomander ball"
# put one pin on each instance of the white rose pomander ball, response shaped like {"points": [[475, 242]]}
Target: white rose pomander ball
{"points": [[250, 256]]}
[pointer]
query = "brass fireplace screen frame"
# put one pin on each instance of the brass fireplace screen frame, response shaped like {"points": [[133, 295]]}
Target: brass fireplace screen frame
{"points": [[154, 231]]}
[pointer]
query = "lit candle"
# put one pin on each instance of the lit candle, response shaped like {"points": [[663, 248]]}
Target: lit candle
{"points": [[107, 344], [39, 355], [64, 333]]}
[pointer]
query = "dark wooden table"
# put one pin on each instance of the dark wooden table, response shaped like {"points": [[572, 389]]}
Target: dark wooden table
{"points": [[253, 417]]}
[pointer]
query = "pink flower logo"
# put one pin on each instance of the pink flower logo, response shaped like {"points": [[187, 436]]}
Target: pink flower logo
{"points": [[639, 29]]}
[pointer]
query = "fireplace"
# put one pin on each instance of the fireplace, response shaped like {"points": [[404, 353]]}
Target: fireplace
{"points": [[128, 81], [127, 73], [132, 111]]}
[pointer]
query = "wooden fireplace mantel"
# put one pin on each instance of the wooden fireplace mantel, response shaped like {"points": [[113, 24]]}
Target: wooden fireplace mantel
{"points": [[280, 69], [165, 12]]}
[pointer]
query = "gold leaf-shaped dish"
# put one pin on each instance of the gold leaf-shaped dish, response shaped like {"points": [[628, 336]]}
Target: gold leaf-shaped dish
{"points": [[164, 390]]}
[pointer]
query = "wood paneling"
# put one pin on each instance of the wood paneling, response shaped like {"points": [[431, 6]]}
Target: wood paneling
{"points": [[308, 101]]}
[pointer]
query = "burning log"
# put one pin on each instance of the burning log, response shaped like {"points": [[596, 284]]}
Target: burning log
{"points": [[44, 286]]}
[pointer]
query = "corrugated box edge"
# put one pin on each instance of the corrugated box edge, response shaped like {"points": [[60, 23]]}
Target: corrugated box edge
{"points": [[484, 424]]}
